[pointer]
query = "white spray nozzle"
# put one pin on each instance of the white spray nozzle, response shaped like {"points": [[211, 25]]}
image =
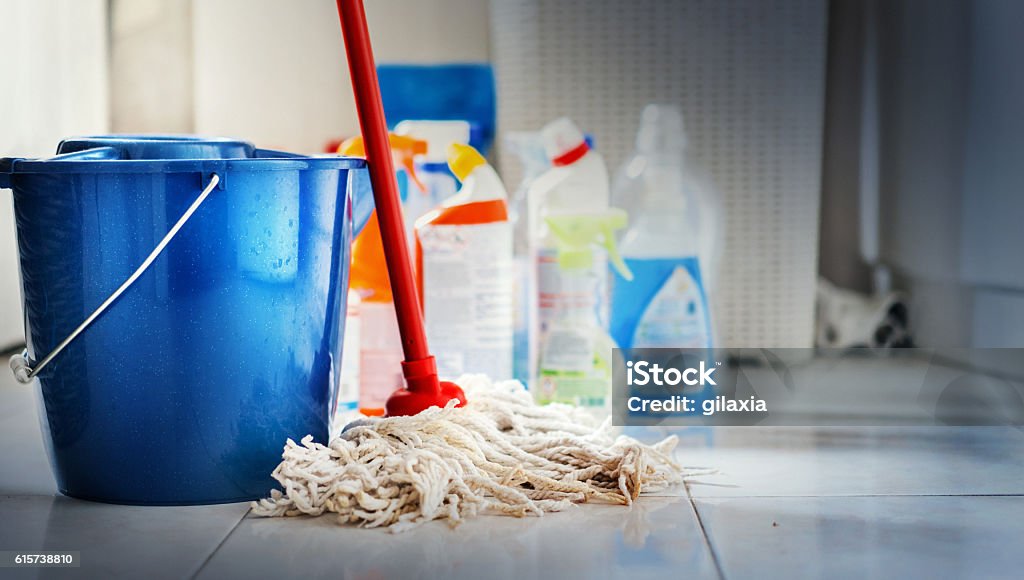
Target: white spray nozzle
{"points": [[661, 130], [438, 135]]}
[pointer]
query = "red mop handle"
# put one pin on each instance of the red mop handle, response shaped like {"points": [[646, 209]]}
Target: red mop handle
{"points": [[419, 364]]}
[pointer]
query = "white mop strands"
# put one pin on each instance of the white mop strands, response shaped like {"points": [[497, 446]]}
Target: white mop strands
{"points": [[501, 453]]}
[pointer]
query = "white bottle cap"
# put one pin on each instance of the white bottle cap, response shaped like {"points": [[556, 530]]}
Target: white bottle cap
{"points": [[661, 130], [438, 135], [564, 143]]}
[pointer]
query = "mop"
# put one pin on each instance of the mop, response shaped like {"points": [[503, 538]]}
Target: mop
{"points": [[450, 450], [499, 454]]}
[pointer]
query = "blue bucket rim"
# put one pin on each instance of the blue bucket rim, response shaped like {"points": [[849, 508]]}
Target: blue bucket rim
{"points": [[106, 154], [38, 166]]}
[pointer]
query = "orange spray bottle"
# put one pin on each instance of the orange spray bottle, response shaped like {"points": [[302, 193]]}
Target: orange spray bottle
{"points": [[371, 304], [465, 272]]}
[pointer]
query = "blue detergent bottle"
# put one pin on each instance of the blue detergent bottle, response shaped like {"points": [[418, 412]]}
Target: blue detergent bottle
{"points": [[666, 304]]}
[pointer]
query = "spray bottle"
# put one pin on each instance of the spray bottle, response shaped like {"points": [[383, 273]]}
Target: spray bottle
{"points": [[572, 238], [670, 244], [528, 146], [464, 268], [371, 304], [431, 165]]}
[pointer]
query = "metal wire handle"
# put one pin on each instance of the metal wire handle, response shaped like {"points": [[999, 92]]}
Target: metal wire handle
{"points": [[23, 369]]}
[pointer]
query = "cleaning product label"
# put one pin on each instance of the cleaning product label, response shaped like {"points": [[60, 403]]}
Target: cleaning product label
{"points": [[468, 296], [571, 312], [572, 389], [380, 356], [573, 370], [664, 306], [567, 350], [440, 186]]}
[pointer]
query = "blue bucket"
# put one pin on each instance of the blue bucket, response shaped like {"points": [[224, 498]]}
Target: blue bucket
{"points": [[185, 389]]}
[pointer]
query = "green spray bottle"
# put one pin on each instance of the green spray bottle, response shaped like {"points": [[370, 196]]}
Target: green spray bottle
{"points": [[572, 238]]}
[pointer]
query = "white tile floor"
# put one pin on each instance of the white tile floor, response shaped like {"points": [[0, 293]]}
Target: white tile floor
{"points": [[788, 502]]}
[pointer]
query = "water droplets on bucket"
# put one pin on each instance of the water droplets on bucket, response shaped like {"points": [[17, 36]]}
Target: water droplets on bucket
{"points": [[184, 390]]}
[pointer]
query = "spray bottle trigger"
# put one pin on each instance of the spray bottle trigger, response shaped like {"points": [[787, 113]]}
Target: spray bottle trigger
{"points": [[616, 220], [404, 150], [577, 233], [573, 235]]}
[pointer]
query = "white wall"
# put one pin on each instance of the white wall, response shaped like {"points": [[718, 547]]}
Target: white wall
{"points": [[56, 50], [246, 52], [151, 66]]}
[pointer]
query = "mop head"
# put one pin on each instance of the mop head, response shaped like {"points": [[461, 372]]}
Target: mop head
{"points": [[500, 454]]}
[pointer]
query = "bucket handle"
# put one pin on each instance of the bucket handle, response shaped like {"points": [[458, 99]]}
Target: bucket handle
{"points": [[24, 371]]}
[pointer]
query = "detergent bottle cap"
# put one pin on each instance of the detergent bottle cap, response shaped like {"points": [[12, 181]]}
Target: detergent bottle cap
{"points": [[463, 159], [564, 142], [661, 131], [438, 135]]}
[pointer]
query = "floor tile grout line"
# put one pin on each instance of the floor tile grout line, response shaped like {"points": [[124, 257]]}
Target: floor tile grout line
{"points": [[707, 539], [852, 495], [220, 544], [10, 495], [703, 531]]}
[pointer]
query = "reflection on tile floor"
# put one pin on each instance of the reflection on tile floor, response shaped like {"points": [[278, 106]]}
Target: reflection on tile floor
{"points": [[859, 461], [867, 537], [132, 541], [658, 536], [24, 467]]}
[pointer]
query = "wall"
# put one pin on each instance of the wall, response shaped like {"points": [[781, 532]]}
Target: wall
{"points": [[57, 51], [923, 81], [839, 259], [749, 77], [151, 66], [748, 74], [993, 200], [245, 53]]}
